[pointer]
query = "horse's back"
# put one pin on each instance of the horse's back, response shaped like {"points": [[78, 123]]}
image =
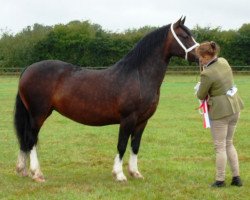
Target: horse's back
{"points": [[93, 97], [86, 96], [47, 67]]}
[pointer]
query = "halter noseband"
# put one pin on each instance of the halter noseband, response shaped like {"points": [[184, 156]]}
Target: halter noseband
{"points": [[181, 44]]}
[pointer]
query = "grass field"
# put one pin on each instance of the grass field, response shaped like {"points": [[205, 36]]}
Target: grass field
{"points": [[176, 155]]}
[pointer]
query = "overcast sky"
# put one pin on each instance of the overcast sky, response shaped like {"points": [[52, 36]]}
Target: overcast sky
{"points": [[119, 15]]}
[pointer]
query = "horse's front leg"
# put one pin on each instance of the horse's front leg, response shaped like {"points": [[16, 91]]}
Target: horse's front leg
{"points": [[135, 145], [126, 128], [118, 169]]}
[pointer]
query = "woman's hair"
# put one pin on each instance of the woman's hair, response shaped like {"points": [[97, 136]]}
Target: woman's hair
{"points": [[208, 48]]}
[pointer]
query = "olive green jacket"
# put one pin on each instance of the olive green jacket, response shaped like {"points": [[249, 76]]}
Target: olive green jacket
{"points": [[216, 80]]}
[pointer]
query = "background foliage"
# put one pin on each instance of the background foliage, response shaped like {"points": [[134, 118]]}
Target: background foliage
{"points": [[86, 44]]}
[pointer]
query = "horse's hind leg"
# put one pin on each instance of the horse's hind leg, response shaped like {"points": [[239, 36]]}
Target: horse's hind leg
{"points": [[135, 144], [27, 125], [21, 166], [35, 169], [36, 123], [29, 148]]}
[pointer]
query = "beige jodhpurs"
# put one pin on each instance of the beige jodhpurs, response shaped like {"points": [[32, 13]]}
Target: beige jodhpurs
{"points": [[222, 132]]}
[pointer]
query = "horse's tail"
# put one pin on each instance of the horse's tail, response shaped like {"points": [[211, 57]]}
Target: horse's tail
{"points": [[23, 127]]}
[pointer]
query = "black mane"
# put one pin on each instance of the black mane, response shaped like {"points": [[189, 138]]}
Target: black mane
{"points": [[145, 47]]}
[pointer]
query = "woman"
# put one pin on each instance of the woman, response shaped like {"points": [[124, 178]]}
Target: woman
{"points": [[224, 104]]}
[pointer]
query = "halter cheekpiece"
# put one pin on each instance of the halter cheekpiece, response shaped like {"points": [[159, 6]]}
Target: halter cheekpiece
{"points": [[181, 44]]}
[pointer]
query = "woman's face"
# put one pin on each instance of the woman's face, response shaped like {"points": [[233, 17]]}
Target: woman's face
{"points": [[203, 60], [205, 53]]}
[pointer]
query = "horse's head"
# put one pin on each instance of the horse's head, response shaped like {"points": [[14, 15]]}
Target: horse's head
{"points": [[180, 41]]}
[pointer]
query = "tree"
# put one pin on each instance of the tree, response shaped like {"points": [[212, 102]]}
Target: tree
{"points": [[86, 44], [16, 51]]}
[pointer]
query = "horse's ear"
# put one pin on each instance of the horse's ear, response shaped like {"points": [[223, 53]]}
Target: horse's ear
{"points": [[183, 20], [178, 23]]}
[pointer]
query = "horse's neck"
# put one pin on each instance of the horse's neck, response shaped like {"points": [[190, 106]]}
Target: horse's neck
{"points": [[153, 72]]}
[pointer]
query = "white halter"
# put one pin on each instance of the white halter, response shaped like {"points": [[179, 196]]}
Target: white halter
{"points": [[180, 43]]}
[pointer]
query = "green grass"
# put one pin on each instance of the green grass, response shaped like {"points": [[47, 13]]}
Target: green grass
{"points": [[176, 155]]}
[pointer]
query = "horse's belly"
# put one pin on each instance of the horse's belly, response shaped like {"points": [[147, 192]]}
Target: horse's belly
{"points": [[91, 115], [97, 119]]}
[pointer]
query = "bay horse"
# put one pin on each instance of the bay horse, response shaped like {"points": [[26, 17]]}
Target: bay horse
{"points": [[126, 93]]}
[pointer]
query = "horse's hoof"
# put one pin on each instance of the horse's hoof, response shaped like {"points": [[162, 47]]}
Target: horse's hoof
{"points": [[120, 177], [37, 176], [21, 171], [39, 179], [136, 175]]}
